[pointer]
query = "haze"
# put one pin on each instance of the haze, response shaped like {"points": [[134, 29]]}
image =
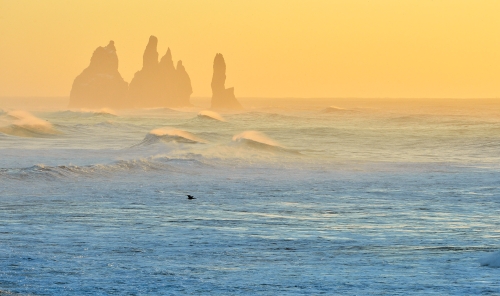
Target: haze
{"points": [[280, 48]]}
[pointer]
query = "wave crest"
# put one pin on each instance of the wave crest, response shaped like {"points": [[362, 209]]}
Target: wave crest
{"points": [[334, 109], [104, 112], [167, 134], [260, 141], [24, 124], [206, 114]]}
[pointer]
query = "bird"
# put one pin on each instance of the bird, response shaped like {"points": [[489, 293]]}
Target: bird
{"points": [[191, 197]]}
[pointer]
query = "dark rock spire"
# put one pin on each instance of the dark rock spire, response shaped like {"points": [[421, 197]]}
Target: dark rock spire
{"points": [[100, 84], [159, 84], [168, 73], [222, 98], [146, 87], [183, 83]]}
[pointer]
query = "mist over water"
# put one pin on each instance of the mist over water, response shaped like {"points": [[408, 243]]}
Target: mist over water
{"points": [[294, 196]]}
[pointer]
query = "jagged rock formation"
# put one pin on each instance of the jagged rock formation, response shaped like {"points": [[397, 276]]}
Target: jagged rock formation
{"points": [[145, 88], [222, 97], [159, 84], [167, 71], [184, 89], [100, 84]]}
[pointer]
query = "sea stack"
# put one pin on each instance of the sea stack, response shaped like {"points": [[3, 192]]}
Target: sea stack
{"points": [[100, 84], [222, 97], [146, 87], [159, 84], [168, 76], [183, 83]]}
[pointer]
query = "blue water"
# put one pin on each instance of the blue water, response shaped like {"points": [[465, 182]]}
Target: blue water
{"points": [[366, 201]]}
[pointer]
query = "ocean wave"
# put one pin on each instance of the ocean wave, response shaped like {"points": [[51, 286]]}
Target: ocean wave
{"points": [[99, 170], [167, 135], [104, 112], [334, 109], [211, 115], [107, 123], [258, 140], [157, 110], [492, 260], [269, 116], [24, 124]]}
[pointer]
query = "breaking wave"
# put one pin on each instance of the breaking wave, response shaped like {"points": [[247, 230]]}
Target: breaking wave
{"points": [[492, 260], [24, 124], [206, 114], [260, 141], [167, 134]]}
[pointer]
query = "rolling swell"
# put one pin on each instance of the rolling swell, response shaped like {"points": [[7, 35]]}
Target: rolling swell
{"points": [[98, 170], [334, 109], [210, 115], [105, 112], [167, 135], [257, 140]]}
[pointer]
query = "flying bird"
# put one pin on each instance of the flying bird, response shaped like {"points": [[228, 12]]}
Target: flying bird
{"points": [[191, 197]]}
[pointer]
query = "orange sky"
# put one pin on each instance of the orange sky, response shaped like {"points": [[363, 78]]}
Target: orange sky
{"points": [[273, 48]]}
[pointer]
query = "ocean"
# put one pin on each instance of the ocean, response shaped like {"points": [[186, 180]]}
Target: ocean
{"points": [[293, 197]]}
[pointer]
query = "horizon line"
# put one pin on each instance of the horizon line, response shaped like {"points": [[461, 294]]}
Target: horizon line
{"points": [[286, 97]]}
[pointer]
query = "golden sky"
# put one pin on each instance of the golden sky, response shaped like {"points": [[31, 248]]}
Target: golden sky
{"points": [[272, 48]]}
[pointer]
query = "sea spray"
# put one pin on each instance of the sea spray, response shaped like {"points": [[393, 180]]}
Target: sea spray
{"points": [[24, 124]]}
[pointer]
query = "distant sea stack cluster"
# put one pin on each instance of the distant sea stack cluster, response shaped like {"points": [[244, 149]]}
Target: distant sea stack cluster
{"points": [[157, 84]]}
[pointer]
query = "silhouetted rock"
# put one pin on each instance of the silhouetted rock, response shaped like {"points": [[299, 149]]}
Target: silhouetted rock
{"points": [[222, 97], [183, 85], [168, 73], [100, 84], [146, 87], [159, 84]]}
